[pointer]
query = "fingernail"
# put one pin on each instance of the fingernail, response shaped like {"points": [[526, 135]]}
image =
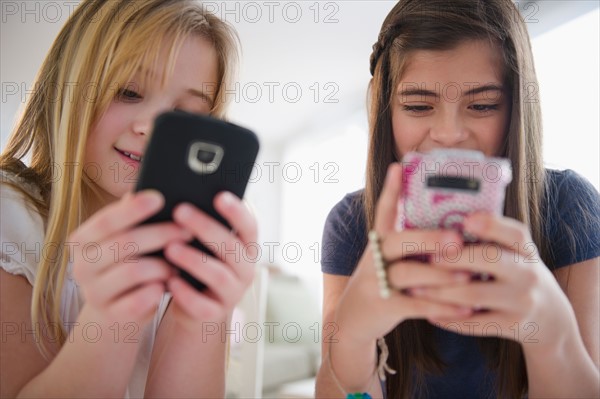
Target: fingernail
{"points": [[465, 310], [473, 223], [462, 276], [152, 198], [186, 235], [450, 237], [174, 249], [184, 211], [227, 198]]}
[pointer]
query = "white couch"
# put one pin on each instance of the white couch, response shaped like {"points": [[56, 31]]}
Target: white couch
{"points": [[279, 346], [292, 351]]}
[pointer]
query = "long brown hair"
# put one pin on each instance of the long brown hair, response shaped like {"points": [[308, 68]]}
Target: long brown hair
{"points": [[441, 25], [100, 47]]}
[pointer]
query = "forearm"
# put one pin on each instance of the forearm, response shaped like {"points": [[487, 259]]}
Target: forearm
{"points": [[562, 371], [93, 362], [348, 366], [190, 364]]}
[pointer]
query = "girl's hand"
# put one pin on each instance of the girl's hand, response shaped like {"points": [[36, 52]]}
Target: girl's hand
{"points": [[362, 313], [523, 301], [117, 282], [227, 275]]}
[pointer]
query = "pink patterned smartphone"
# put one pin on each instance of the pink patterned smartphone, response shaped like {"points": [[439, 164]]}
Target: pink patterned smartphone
{"points": [[441, 187]]}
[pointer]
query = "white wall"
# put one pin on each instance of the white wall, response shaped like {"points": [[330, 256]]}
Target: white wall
{"points": [[25, 37], [567, 64], [333, 164]]}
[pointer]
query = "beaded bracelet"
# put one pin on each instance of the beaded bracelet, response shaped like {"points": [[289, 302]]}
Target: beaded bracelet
{"points": [[380, 266], [359, 395]]}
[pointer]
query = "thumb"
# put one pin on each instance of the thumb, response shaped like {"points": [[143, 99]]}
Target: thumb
{"points": [[387, 205]]}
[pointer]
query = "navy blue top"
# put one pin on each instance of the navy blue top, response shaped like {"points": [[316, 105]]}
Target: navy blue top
{"points": [[570, 197]]}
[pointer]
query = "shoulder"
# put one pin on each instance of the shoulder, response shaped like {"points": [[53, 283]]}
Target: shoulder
{"points": [[572, 217], [347, 215], [22, 227], [569, 194], [13, 196], [9, 180], [344, 235], [570, 183]]}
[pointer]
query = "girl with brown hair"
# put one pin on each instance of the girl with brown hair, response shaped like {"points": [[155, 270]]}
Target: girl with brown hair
{"points": [[458, 74]]}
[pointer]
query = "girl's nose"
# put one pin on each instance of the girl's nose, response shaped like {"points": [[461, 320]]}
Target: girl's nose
{"points": [[144, 121], [448, 130], [142, 126]]}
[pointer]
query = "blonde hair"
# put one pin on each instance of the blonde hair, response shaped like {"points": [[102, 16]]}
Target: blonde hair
{"points": [[100, 47], [441, 25]]}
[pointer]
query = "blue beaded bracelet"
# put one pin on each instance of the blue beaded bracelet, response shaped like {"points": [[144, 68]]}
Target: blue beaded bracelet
{"points": [[359, 395]]}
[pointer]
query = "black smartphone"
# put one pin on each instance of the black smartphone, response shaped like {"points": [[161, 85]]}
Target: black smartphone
{"points": [[191, 158]]}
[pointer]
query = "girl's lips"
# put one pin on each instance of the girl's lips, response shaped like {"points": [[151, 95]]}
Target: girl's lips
{"points": [[127, 158]]}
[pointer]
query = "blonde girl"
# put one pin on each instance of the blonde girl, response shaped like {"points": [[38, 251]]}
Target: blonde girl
{"points": [[87, 314]]}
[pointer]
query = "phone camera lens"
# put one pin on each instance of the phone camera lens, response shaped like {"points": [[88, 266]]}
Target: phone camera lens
{"points": [[205, 156]]}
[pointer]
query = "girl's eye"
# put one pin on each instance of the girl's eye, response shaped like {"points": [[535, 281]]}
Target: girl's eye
{"points": [[417, 108], [129, 95], [484, 107]]}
